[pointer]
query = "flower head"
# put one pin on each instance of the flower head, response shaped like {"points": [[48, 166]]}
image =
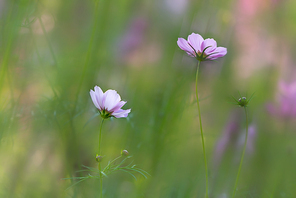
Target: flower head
{"points": [[201, 49], [109, 103]]}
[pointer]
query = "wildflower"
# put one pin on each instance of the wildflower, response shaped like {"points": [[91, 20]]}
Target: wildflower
{"points": [[252, 136], [229, 136], [287, 101], [201, 49], [233, 138], [109, 103]]}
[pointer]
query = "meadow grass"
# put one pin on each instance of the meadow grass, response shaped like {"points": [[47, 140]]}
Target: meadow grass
{"points": [[53, 52]]}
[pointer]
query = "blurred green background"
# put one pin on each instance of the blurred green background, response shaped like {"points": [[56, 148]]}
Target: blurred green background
{"points": [[53, 52]]}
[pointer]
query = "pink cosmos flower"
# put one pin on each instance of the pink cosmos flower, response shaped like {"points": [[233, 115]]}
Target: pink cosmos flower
{"points": [[108, 103], [201, 49], [286, 101], [233, 138]]}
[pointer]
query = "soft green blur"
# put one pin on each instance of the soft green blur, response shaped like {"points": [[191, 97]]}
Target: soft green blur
{"points": [[52, 52]]}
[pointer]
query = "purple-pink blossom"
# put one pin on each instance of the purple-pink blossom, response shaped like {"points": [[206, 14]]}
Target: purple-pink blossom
{"points": [[109, 103], [201, 49], [286, 101], [233, 138]]}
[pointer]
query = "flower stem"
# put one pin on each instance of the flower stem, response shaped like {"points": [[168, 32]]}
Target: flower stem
{"points": [[201, 132], [242, 157], [100, 169]]}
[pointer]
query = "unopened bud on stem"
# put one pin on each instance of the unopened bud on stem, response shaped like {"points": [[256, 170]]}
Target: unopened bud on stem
{"points": [[243, 102], [99, 158], [124, 153]]}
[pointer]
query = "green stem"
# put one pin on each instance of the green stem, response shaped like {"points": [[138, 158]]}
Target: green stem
{"points": [[242, 158], [101, 179], [201, 132], [7, 51], [40, 61], [48, 41]]}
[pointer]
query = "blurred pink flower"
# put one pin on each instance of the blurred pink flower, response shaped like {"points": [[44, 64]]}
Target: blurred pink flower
{"points": [[108, 103], [201, 49], [229, 136], [134, 36], [233, 138], [252, 135], [286, 101]]}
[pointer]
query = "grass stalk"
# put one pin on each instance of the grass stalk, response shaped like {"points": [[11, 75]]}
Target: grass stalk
{"points": [[48, 41], [243, 154]]}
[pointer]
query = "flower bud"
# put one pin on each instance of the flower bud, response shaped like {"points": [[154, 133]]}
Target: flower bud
{"points": [[243, 102], [99, 158], [124, 153]]}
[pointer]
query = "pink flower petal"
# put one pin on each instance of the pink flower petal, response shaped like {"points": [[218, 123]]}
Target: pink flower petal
{"points": [[118, 106], [284, 88], [195, 40], [99, 96], [121, 113], [293, 88], [94, 99], [218, 52], [111, 99], [183, 44], [211, 44]]}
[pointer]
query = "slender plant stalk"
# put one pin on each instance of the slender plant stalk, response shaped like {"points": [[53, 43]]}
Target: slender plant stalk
{"points": [[100, 168], [48, 41], [7, 52], [201, 132], [40, 61], [242, 157]]}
